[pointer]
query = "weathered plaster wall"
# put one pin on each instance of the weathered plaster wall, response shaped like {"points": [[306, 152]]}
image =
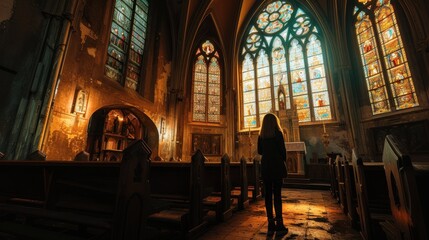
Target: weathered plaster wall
{"points": [[84, 69]]}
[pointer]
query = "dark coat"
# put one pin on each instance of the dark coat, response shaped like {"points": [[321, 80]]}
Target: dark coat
{"points": [[273, 162]]}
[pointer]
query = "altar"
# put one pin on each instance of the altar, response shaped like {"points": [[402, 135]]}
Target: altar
{"points": [[295, 159], [295, 149]]}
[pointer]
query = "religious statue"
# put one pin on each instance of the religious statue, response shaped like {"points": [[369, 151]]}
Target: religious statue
{"points": [[80, 102]]}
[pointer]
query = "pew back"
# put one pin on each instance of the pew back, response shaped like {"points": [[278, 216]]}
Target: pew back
{"points": [[339, 164], [254, 178], [217, 184], [239, 184], [170, 180], [372, 196], [90, 194], [333, 176], [23, 181], [181, 184], [407, 183]]}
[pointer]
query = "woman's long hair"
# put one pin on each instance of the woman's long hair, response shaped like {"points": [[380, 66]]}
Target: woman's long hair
{"points": [[270, 125]]}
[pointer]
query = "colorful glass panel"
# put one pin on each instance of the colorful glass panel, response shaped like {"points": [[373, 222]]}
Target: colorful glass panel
{"points": [[214, 91], [280, 75], [127, 39], [299, 78], [322, 113], [399, 83], [318, 85], [274, 17], [207, 85], [200, 89], [304, 115], [302, 25], [138, 38], [394, 55], [275, 46], [264, 83], [369, 55]]}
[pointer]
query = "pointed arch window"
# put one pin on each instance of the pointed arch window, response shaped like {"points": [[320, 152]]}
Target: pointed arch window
{"points": [[282, 49], [388, 78], [206, 84], [127, 41]]}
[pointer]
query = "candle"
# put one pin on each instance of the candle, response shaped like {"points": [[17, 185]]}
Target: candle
{"points": [[324, 128], [249, 132]]}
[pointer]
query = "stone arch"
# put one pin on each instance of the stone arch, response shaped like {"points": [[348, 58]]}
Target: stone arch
{"points": [[97, 129]]}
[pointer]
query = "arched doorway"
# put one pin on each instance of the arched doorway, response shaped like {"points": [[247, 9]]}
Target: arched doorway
{"points": [[112, 129]]}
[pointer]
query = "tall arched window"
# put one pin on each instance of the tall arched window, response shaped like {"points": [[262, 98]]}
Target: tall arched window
{"points": [[283, 49], [127, 40], [206, 84], [385, 65]]}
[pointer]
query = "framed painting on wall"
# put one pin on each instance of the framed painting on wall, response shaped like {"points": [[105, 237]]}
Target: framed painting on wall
{"points": [[209, 144]]}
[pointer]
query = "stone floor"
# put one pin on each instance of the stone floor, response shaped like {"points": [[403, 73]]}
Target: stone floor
{"points": [[309, 214]]}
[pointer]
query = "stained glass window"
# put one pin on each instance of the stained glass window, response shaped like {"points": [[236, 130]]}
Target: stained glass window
{"points": [[206, 84], [283, 49], [385, 65], [127, 41]]}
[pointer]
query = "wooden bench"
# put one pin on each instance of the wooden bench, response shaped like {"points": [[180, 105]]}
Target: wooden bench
{"points": [[408, 183], [239, 183], [350, 187], [333, 178], [98, 197], [177, 187], [339, 165], [254, 179], [372, 196], [217, 185]]}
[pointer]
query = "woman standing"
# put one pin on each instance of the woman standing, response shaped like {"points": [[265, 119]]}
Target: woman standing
{"points": [[272, 148]]}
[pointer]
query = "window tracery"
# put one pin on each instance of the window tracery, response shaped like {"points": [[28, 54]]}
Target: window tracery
{"points": [[283, 49]]}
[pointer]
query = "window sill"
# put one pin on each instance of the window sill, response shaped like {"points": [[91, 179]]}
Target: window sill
{"points": [[386, 116]]}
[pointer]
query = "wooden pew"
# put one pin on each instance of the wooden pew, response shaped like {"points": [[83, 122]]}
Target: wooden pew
{"points": [[217, 185], [333, 176], [350, 186], [178, 186], [105, 198], [339, 165], [239, 184], [254, 179], [372, 196], [408, 184]]}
